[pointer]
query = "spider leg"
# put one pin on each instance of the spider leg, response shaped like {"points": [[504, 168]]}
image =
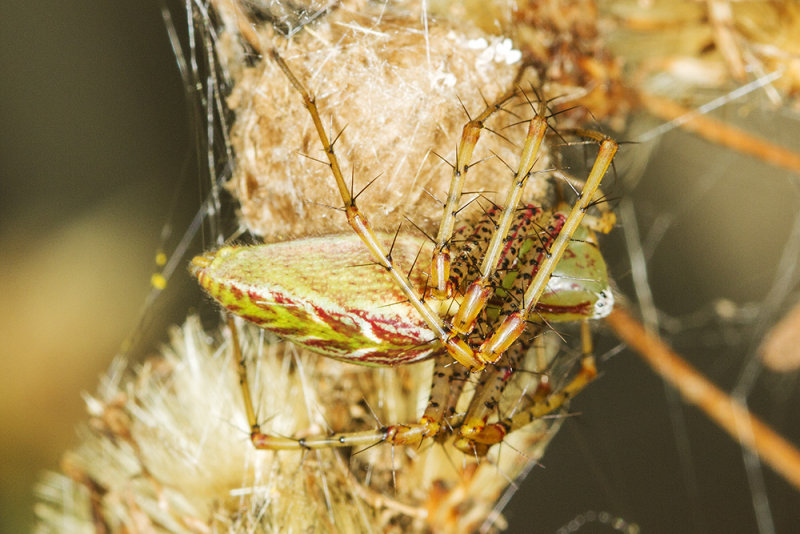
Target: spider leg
{"points": [[605, 221], [477, 295], [455, 346], [447, 383], [515, 323], [401, 434], [241, 371], [486, 401], [477, 435], [440, 286]]}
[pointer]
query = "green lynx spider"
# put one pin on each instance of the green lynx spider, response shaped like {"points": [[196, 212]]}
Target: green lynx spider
{"points": [[228, 274]]}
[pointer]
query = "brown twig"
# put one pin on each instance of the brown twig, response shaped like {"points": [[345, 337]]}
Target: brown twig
{"points": [[720, 132], [728, 413]]}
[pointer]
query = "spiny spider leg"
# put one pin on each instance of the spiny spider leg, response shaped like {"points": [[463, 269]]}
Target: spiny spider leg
{"points": [[479, 292], [456, 347], [440, 286], [475, 435], [486, 402], [395, 434], [603, 223], [515, 323], [447, 383]]}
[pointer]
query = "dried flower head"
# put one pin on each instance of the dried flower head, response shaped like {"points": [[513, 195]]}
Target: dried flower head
{"points": [[167, 449], [392, 89]]}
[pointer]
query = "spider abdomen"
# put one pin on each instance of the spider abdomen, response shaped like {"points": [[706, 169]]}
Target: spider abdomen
{"points": [[325, 294]]}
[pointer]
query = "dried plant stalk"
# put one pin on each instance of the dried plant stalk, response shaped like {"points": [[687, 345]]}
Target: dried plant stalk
{"points": [[729, 414]]}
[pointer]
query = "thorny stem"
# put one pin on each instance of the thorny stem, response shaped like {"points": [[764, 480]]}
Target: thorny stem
{"points": [[729, 414]]}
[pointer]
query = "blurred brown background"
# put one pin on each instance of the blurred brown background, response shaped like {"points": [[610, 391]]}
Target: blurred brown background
{"points": [[95, 144]]}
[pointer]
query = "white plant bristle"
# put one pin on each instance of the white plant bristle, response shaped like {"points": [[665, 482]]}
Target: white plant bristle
{"points": [[167, 449]]}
